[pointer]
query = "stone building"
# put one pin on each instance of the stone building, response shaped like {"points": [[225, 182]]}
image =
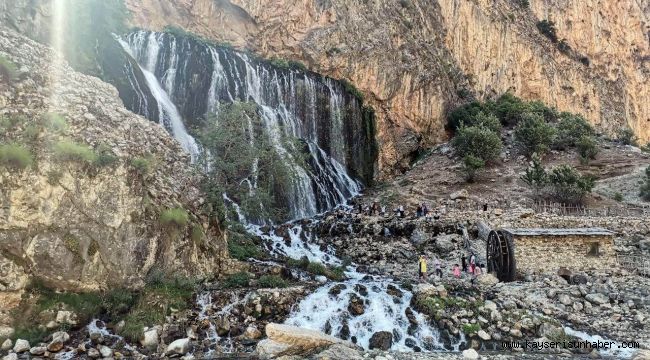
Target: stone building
{"points": [[548, 250]]}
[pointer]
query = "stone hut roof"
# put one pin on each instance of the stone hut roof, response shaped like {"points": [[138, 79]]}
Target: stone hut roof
{"points": [[591, 231]]}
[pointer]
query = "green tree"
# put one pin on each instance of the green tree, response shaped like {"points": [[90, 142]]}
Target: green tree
{"points": [[570, 129], [534, 135], [510, 109], [244, 162], [568, 185], [535, 176], [626, 136], [477, 141], [472, 165], [587, 148], [645, 187]]}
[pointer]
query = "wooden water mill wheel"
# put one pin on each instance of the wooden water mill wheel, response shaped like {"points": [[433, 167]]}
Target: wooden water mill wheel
{"points": [[500, 255]]}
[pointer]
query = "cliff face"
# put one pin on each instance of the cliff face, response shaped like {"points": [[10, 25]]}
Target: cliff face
{"points": [[79, 225], [414, 59]]}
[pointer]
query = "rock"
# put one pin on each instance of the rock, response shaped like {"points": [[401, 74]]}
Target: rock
{"points": [[488, 280], [597, 298], [641, 355], [336, 289], [425, 289], [470, 354], [150, 339], [223, 325], [178, 347], [6, 345], [382, 340], [490, 305], [66, 317], [565, 299], [59, 338], [287, 339], [93, 353], [6, 332], [579, 279], [11, 356], [549, 330], [445, 244], [252, 333], [356, 306], [38, 350], [483, 335], [321, 279], [339, 352], [498, 212], [21, 346], [459, 195], [105, 351]]}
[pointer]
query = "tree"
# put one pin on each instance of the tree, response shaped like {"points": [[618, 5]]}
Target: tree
{"points": [[509, 109], [466, 113], [645, 187], [535, 176], [587, 148], [568, 185], [570, 129], [472, 165], [244, 164], [534, 135], [477, 141], [626, 136]]}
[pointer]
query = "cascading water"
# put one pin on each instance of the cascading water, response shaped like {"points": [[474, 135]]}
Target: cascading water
{"points": [[189, 79]]}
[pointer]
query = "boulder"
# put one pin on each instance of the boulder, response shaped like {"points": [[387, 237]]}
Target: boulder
{"points": [[459, 195], [6, 332], [6, 345], [484, 335], [93, 353], [21, 346], [59, 339], [105, 351], [252, 333], [38, 350], [150, 339], [487, 280], [66, 317], [597, 298], [446, 243], [179, 347], [293, 340], [356, 306], [470, 354], [11, 356], [424, 290], [382, 340], [549, 330], [339, 352], [565, 299]]}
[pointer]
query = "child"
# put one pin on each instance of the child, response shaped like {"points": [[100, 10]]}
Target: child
{"points": [[456, 271]]}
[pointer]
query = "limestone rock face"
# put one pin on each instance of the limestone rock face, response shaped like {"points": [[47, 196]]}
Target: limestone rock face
{"points": [[84, 227], [292, 340], [414, 60]]}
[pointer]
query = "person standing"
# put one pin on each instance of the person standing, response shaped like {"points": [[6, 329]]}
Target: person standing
{"points": [[456, 271], [472, 263], [422, 268], [463, 263], [425, 210], [418, 211], [438, 268], [400, 210]]}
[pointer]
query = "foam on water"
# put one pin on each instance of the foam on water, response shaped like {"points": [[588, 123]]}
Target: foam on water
{"points": [[615, 350]]}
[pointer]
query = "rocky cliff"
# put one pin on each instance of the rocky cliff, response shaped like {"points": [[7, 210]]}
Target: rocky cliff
{"points": [[414, 59], [86, 214]]}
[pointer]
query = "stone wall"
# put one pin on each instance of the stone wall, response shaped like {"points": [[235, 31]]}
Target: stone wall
{"points": [[549, 253]]}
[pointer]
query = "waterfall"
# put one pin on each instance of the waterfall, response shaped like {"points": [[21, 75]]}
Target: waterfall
{"points": [[190, 78]]}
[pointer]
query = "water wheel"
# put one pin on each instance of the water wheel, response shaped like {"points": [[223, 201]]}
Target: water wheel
{"points": [[500, 255]]}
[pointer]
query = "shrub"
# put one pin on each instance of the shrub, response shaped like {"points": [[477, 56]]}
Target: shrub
{"points": [[645, 187], [471, 328], [350, 88], [55, 122], [618, 196], [70, 151], [105, 156], [534, 135], [626, 137], [31, 133], [8, 70], [316, 268], [487, 120], [570, 129], [466, 113], [587, 148], [550, 114], [477, 141], [15, 157], [547, 28], [9, 122], [175, 217], [568, 185], [535, 176], [509, 109], [242, 247], [472, 165], [236, 280], [141, 165], [272, 281]]}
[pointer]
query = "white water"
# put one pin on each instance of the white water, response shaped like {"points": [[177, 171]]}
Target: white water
{"points": [[168, 114], [615, 350]]}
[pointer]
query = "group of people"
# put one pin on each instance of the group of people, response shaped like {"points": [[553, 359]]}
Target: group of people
{"points": [[372, 210], [471, 267]]}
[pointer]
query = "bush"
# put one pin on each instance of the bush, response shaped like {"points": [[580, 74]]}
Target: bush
{"points": [[645, 187], [570, 129], [236, 280], [55, 122], [510, 109], [534, 135], [568, 185], [15, 156], [587, 148], [626, 137], [31, 133], [547, 28], [471, 328], [535, 176], [618, 197], [142, 166], [477, 141], [316, 268], [7, 123], [472, 165], [242, 247], [105, 156], [176, 217], [350, 88], [272, 281], [466, 114], [8, 70], [70, 151]]}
